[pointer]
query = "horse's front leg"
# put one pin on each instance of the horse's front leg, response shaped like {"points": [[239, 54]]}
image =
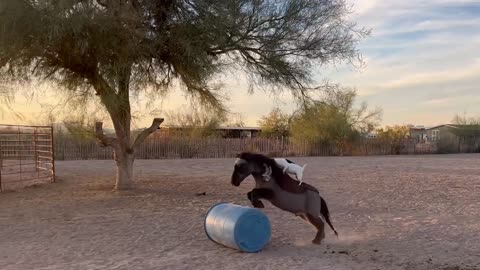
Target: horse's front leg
{"points": [[259, 193]]}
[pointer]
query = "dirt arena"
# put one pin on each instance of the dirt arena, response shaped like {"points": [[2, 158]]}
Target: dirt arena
{"points": [[396, 212]]}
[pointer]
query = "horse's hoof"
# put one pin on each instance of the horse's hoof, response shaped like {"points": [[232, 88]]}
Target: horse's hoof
{"points": [[258, 204], [316, 241]]}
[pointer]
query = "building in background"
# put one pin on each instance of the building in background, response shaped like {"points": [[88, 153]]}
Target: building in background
{"points": [[451, 138], [223, 132], [418, 133]]}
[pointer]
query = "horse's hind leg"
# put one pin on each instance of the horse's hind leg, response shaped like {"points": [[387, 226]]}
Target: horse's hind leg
{"points": [[318, 223]]}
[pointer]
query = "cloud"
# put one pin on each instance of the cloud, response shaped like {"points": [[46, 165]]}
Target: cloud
{"points": [[363, 6], [441, 102], [434, 78]]}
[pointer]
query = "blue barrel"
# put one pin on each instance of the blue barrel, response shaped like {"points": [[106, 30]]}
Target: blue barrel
{"points": [[239, 227]]}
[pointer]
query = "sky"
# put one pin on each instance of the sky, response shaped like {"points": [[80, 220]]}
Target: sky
{"points": [[423, 62], [422, 67]]}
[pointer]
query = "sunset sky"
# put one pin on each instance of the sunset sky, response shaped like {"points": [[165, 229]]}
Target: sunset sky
{"points": [[422, 66]]}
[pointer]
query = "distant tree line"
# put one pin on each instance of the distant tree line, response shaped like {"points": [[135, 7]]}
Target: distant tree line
{"points": [[333, 118]]}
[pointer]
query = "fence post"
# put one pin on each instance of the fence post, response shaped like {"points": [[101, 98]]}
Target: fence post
{"points": [[1, 168], [20, 152], [53, 154], [35, 154]]}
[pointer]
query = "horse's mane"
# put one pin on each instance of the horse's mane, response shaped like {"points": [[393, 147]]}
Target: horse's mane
{"points": [[258, 158], [283, 180]]}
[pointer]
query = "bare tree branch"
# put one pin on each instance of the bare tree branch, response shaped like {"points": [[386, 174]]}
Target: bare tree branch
{"points": [[102, 139], [144, 134]]}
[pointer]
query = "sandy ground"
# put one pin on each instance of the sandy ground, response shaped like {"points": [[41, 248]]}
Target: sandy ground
{"points": [[396, 212], [21, 173]]}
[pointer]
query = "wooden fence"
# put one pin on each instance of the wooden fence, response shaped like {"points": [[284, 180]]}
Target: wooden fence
{"points": [[177, 147]]}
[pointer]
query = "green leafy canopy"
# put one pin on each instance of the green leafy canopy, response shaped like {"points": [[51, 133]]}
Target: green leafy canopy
{"points": [[120, 46]]}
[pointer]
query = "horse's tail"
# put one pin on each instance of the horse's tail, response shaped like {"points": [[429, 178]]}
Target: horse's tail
{"points": [[326, 214]]}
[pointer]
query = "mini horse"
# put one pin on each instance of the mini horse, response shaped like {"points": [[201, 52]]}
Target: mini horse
{"points": [[282, 191]]}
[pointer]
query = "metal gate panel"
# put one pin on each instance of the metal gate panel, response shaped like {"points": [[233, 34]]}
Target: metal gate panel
{"points": [[26, 156]]}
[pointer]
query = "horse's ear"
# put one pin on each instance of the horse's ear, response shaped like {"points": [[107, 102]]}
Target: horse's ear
{"points": [[238, 155]]}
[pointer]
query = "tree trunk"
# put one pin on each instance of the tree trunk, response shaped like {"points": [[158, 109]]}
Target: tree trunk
{"points": [[124, 150], [124, 162], [118, 106]]}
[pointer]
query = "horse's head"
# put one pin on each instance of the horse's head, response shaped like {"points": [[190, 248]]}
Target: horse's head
{"points": [[247, 164]]}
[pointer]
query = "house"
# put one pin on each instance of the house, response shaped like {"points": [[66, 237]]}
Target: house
{"points": [[239, 132], [224, 132], [371, 135], [455, 138], [418, 133], [448, 132]]}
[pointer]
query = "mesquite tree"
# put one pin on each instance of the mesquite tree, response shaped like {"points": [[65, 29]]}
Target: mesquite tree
{"points": [[118, 48]]}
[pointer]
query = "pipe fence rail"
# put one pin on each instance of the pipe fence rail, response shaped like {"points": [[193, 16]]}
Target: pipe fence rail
{"points": [[26, 156]]}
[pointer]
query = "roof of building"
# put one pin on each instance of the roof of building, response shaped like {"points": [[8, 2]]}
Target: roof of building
{"points": [[455, 126], [239, 128], [218, 128], [417, 127]]}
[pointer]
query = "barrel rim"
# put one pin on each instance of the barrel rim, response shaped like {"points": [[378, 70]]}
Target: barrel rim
{"points": [[205, 219]]}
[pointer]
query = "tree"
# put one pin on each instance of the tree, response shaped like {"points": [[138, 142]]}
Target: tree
{"points": [[112, 50], [334, 118], [394, 135], [235, 120], [80, 128], [463, 120], [466, 127], [197, 122], [7, 97], [342, 100], [200, 122], [275, 124]]}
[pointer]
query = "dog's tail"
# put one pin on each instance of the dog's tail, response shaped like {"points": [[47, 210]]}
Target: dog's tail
{"points": [[303, 168], [326, 214]]}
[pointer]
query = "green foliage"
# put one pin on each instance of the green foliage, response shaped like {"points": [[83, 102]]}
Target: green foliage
{"points": [[80, 128], [119, 46], [463, 120], [466, 128], [201, 122], [7, 96], [334, 119], [447, 146], [323, 123], [467, 131], [394, 133], [275, 124]]}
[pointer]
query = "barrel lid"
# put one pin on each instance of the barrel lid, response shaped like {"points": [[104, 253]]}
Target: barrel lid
{"points": [[252, 231]]}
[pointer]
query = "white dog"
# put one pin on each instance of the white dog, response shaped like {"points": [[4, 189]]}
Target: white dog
{"points": [[291, 167]]}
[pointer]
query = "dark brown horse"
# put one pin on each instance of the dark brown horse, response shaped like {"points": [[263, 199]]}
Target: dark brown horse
{"points": [[282, 191]]}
